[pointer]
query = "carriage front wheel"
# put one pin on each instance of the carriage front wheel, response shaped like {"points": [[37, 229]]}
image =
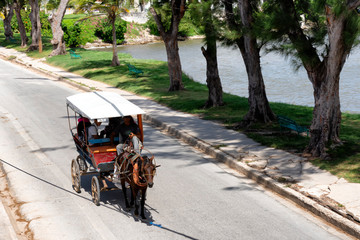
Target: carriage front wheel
{"points": [[95, 190], [75, 176]]}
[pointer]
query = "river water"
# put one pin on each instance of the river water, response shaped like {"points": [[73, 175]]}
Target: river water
{"points": [[282, 83]]}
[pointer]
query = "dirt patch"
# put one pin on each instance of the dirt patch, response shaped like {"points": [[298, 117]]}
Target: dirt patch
{"points": [[12, 208]]}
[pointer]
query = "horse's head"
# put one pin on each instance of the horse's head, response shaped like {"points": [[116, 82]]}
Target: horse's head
{"points": [[149, 170]]}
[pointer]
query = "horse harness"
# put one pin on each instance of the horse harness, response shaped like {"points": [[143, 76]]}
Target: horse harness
{"points": [[134, 166]]}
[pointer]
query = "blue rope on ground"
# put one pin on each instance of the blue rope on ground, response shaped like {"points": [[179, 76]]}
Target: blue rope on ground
{"points": [[157, 225]]}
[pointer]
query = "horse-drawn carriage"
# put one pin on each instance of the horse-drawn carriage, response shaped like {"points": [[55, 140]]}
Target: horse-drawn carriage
{"points": [[99, 156]]}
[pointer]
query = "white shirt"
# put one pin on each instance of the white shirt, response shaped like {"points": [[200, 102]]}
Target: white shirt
{"points": [[92, 130]]}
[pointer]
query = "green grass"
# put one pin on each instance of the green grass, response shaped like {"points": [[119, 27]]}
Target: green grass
{"points": [[345, 160], [75, 16], [47, 47]]}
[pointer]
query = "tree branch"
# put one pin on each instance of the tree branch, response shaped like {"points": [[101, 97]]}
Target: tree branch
{"points": [[157, 19], [352, 4], [304, 47]]}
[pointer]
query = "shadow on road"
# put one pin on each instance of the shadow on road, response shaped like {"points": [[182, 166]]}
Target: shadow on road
{"points": [[107, 198]]}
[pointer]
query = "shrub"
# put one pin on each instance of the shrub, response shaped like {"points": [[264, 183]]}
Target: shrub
{"points": [[151, 24], [104, 31], [45, 25], [78, 33]]}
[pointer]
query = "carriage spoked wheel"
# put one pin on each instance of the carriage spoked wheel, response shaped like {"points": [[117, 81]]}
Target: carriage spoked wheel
{"points": [[75, 176], [95, 190]]}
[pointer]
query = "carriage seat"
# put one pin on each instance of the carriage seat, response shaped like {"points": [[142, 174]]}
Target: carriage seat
{"points": [[102, 140]]}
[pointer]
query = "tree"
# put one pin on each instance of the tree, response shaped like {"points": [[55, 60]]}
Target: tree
{"points": [[139, 3], [169, 33], [55, 20], [203, 15], [83, 6], [330, 31], [113, 8], [8, 11], [35, 26], [242, 26], [18, 6]]}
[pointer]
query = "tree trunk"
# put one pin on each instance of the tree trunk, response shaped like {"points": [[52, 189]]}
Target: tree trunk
{"points": [[325, 127], [59, 47], [174, 64], [259, 108], [170, 39], [215, 97], [7, 23], [22, 30], [115, 59], [35, 25], [212, 76]]}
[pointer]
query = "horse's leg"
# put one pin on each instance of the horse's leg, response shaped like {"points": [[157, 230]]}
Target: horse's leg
{"points": [[125, 195], [143, 196], [132, 200], [135, 193]]}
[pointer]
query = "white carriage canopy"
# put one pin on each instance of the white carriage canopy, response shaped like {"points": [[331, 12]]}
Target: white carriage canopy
{"points": [[97, 105]]}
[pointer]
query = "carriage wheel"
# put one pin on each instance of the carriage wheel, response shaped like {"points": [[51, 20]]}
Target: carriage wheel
{"points": [[82, 165], [75, 176], [95, 190]]}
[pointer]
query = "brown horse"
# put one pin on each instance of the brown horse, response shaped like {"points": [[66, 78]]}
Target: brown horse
{"points": [[139, 173]]}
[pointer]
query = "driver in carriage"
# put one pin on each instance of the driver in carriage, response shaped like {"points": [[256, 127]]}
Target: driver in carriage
{"points": [[129, 130]]}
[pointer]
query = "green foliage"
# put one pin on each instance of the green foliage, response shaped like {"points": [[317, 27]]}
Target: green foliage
{"points": [[204, 17], [134, 30], [104, 30], [164, 11], [186, 26], [45, 24], [151, 25], [275, 22], [52, 4], [78, 33]]}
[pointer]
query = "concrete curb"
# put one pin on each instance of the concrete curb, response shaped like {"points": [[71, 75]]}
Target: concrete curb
{"points": [[301, 200]]}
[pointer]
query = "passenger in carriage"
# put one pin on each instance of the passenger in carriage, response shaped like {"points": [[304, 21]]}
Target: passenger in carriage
{"points": [[112, 130], [129, 130], [93, 130], [83, 125]]}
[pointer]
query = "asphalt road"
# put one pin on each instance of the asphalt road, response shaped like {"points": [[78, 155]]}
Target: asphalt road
{"points": [[193, 196]]}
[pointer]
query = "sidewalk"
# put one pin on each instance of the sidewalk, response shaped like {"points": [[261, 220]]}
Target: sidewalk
{"points": [[333, 199]]}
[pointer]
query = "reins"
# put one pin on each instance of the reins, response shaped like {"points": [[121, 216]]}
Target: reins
{"points": [[138, 163]]}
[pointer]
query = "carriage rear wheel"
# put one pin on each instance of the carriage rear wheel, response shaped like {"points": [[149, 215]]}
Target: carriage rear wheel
{"points": [[75, 176], [95, 190]]}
